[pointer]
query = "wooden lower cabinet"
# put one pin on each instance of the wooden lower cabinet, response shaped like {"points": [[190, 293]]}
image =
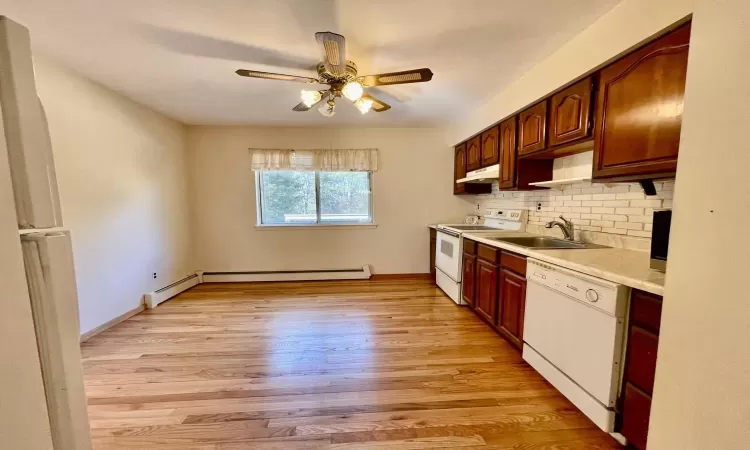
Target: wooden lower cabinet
{"points": [[640, 367], [468, 285], [499, 290], [635, 423], [433, 249], [486, 290], [512, 305]]}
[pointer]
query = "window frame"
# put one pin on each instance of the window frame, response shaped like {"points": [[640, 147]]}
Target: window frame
{"points": [[259, 206]]}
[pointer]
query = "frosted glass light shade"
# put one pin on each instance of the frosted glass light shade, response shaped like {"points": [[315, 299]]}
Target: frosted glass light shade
{"points": [[363, 105], [353, 91], [310, 98], [328, 108]]}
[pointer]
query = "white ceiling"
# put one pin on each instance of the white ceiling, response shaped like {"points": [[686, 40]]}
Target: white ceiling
{"points": [[179, 56]]}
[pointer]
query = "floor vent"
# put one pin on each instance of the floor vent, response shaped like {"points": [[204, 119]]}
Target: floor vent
{"points": [[162, 295], [362, 273]]}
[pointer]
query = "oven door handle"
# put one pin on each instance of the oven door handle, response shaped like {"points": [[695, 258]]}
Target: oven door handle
{"points": [[449, 233]]}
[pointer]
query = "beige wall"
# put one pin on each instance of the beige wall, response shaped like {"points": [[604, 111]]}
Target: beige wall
{"points": [[626, 25], [122, 177], [702, 392], [412, 188]]}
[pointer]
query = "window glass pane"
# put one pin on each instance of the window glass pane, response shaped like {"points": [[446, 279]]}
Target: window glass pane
{"points": [[345, 197], [287, 197]]}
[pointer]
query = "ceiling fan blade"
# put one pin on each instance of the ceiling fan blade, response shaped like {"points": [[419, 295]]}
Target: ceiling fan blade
{"points": [[377, 105], [333, 51], [275, 76], [407, 76], [188, 43], [302, 107]]}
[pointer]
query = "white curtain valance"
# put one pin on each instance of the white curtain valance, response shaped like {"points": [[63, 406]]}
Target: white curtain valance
{"points": [[326, 160]]}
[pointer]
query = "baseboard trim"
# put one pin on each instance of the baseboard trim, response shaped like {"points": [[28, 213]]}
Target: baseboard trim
{"points": [[362, 273], [400, 276], [121, 318]]}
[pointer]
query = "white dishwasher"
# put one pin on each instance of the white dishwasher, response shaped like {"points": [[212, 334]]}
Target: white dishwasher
{"points": [[573, 336]]}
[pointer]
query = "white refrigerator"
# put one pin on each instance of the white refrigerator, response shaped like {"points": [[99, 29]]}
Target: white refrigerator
{"points": [[28, 191]]}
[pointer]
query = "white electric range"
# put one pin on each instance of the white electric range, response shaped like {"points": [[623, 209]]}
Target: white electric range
{"points": [[449, 251]]}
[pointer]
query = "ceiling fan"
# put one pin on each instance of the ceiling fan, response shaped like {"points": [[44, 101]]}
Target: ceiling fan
{"points": [[342, 78]]}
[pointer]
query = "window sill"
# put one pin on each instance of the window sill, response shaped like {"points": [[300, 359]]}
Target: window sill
{"points": [[363, 226]]}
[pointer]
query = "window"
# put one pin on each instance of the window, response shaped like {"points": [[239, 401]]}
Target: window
{"points": [[314, 198]]}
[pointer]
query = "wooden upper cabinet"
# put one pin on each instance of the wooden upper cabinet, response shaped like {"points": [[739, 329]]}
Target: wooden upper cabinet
{"points": [[473, 154], [570, 113], [512, 306], [490, 150], [459, 169], [639, 111], [507, 148], [532, 129]]}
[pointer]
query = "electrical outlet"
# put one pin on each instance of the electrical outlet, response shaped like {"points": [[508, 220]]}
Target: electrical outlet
{"points": [[539, 206], [477, 206], [154, 275]]}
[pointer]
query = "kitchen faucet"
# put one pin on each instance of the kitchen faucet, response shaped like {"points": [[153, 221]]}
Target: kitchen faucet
{"points": [[566, 226]]}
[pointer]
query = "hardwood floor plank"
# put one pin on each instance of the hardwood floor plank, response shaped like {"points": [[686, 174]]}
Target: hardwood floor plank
{"points": [[383, 364]]}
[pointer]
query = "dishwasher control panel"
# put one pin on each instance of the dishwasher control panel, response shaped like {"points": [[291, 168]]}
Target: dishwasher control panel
{"points": [[610, 298]]}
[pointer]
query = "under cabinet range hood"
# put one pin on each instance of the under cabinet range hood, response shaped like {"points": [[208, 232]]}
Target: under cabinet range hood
{"points": [[485, 175]]}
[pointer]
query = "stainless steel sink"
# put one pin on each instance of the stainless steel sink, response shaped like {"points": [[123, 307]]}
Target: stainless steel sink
{"points": [[546, 243]]}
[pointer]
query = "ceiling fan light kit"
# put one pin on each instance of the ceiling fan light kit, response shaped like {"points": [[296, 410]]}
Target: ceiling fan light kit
{"points": [[341, 77]]}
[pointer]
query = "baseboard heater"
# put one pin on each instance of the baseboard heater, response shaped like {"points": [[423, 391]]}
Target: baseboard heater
{"points": [[362, 273], [162, 295]]}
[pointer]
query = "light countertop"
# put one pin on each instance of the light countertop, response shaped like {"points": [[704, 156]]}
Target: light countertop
{"points": [[627, 267]]}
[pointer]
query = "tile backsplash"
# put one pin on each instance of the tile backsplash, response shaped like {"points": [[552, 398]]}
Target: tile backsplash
{"points": [[601, 210]]}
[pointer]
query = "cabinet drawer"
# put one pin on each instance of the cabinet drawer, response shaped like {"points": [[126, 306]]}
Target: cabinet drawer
{"points": [[488, 253], [470, 247], [641, 361], [645, 310], [514, 262], [636, 412]]}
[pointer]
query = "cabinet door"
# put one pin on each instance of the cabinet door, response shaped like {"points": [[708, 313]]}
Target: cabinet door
{"points": [[490, 153], [639, 111], [459, 169], [636, 415], [512, 306], [473, 155], [508, 154], [468, 285], [486, 290], [532, 129], [570, 113]]}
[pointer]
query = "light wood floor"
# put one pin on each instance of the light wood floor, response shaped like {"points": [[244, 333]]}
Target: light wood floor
{"points": [[325, 365]]}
